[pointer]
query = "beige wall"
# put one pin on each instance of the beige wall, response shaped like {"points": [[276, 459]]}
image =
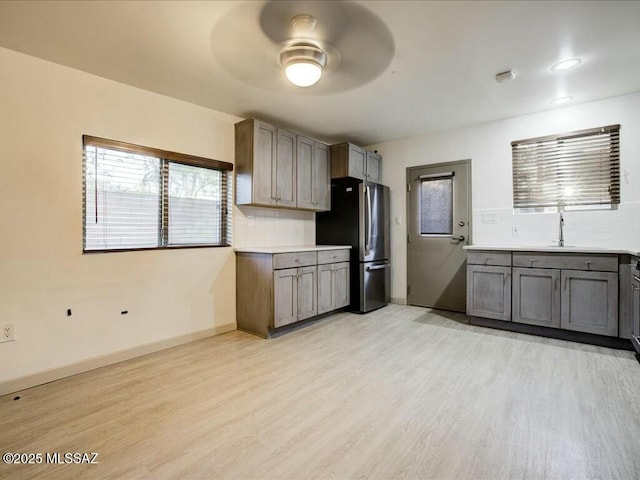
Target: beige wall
{"points": [[488, 146], [45, 110]]}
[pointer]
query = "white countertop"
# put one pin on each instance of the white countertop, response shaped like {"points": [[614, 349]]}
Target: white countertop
{"points": [[290, 249], [551, 249]]}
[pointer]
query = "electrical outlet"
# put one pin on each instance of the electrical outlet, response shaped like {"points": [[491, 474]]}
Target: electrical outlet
{"points": [[8, 332]]}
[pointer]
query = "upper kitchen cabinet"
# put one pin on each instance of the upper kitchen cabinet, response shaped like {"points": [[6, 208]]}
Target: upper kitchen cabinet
{"points": [[265, 165], [349, 160], [255, 145], [284, 173], [313, 175], [278, 168]]}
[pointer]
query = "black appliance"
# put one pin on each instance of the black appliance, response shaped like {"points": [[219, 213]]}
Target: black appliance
{"points": [[359, 217]]}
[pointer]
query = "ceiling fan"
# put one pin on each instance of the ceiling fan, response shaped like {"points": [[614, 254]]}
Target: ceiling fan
{"points": [[331, 46]]}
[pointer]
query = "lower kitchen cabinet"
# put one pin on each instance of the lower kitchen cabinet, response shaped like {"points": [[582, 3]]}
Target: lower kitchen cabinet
{"points": [[489, 291], [536, 296], [294, 293], [590, 302], [572, 291], [333, 286], [274, 290]]}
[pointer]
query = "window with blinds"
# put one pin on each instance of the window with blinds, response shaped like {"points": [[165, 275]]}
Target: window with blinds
{"points": [[142, 198], [571, 170]]}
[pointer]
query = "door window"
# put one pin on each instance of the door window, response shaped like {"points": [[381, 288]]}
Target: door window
{"points": [[436, 205]]}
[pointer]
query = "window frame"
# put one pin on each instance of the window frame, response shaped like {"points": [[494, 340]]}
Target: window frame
{"points": [[546, 160], [165, 156]]}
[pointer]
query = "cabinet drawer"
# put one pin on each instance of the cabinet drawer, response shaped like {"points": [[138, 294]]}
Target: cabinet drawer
{"points": [[333, 256], [500, 259], [600, 263], [294, 259]]}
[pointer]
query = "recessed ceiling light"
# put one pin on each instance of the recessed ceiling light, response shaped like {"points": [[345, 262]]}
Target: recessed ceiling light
{"points": [[561, 100], [566, 64]]}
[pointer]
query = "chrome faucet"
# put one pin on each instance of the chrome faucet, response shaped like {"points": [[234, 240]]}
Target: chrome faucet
{"points": [[561, 241]]}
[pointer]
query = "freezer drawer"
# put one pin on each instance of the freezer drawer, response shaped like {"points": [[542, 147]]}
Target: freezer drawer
{"points": [[374, 285]]}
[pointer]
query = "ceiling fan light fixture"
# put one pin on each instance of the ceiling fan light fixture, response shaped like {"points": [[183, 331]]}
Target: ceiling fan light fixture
{"points": [[303, 74], [303, 63]]}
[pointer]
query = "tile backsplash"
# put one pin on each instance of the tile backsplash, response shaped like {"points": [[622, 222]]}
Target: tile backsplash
{"points": [[618, 228], [269, 227]]}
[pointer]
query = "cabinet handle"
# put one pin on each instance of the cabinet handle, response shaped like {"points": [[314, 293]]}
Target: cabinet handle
{"points": [[588, 265], [532, 260], [486, 260]]}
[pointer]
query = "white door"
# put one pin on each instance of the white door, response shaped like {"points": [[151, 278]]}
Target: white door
{"points": [[438, 213]]}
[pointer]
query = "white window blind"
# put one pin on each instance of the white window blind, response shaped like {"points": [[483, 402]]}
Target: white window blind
{"points": [[572, 169], [122, 200], [195, 205], [136, 198]]}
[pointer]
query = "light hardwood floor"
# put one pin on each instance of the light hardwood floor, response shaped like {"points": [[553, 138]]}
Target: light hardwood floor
{"points": [[403, 392]]}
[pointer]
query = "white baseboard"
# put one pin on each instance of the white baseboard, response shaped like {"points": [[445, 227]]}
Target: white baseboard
{"points": [[47, 376]]}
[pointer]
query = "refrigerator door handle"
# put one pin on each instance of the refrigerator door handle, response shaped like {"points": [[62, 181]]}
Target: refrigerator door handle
{"points": [[367, 221]]}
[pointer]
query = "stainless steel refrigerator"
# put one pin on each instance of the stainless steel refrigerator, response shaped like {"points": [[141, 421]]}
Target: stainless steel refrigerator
{"points": [[359, 217]]}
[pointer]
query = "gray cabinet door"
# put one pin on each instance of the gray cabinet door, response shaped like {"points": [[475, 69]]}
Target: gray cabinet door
{"points": [[536, 296], [357, 162], [284, 173], [325, 288], [590, 302], [307, 292], [341, 289], [264, 157], [305, 172], [333, 286], [321, 183], [373, 168], [313, 183], [489, 292], [285, 296]]}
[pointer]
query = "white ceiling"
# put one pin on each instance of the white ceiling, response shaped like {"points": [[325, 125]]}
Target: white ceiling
{"points": [[441, 74]]}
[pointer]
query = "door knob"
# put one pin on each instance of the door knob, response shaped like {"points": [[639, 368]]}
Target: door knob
{"points": [[461, 224], [459, 239]]}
